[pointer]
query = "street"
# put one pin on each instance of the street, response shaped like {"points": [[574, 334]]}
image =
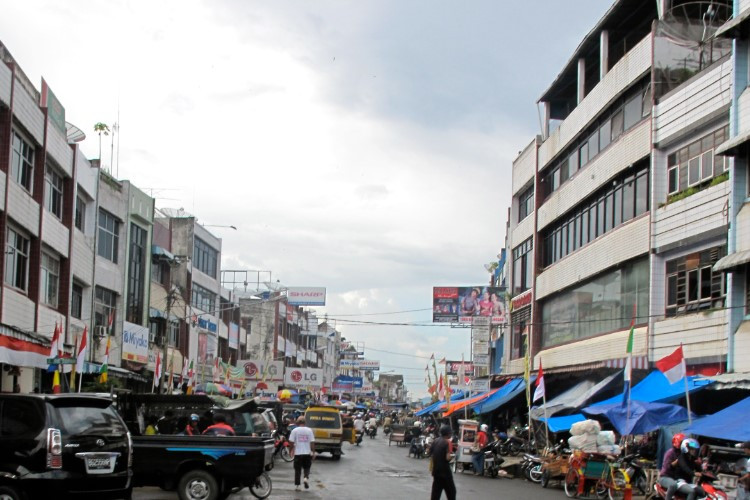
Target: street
{"points": [[374, 470]]}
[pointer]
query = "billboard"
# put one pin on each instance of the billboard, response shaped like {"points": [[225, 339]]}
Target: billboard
{"points": [[135, 343], [306, 295], [303, 378], [452, 367], [369, 365], [468, 304], [256, 370], [234, 336]]}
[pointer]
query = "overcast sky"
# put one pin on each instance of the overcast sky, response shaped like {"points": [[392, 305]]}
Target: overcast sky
{"points": [[364, 146]]}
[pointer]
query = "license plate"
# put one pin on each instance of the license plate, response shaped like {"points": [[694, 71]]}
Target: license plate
{"points": [[98, 463]]}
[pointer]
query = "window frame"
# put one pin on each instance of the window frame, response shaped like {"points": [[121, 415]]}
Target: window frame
{"points": [[112, 235], [205, 257], [76, 300], [79, 216], [11, 258], [49, 280], [54, 189], [23, 170]]}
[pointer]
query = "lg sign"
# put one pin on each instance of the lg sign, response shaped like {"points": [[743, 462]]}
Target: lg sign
{"points": [[296, 375], [251, 369]]}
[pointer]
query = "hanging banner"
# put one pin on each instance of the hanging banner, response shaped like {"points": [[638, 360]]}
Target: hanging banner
{"points": [[452, 367], [234, 336]]}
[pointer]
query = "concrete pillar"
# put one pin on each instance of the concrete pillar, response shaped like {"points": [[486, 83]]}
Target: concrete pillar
{"points": [[603, 53], [545, 119], [581, 80]]}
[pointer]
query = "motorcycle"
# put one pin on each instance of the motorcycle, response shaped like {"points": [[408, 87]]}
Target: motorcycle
{"points": [[371, 431], [358, 437], [512, 445], [705, 480], [282, 447], [531, 466], [492, 460], [386, 429], [635, 470]]}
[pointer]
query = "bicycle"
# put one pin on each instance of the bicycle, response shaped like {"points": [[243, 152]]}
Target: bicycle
{"points": [[613, 482]]}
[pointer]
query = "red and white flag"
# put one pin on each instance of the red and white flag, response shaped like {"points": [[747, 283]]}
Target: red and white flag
{"points": [[157, 370], [539, 391], [673, 366], [81, 359], [54, 349], [441, 389]]}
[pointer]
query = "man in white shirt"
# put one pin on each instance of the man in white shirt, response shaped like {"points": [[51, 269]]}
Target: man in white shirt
{"points": [[303, 449]]}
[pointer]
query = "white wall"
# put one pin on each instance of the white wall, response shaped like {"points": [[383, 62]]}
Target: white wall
{"points": [[5, 80], [601, 348], [702, 335], [524, 167], [58, 149], [55, 234], [23, 209], [18, 310], [26, 111]]}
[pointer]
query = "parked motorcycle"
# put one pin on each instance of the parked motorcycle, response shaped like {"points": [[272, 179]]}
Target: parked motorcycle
{"points": [[492, 459], [705, 480], [511, 445], [531, 466], [634, 466]]}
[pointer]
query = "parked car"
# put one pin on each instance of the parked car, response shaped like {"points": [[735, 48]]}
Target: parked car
{"points": [[70, 444]]}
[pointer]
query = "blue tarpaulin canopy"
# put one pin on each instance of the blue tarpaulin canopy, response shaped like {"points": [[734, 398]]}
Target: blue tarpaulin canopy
{"points": [[558, 424], [502, 396], [644, 416], [729, 423], [440, 405], [655, 388]]}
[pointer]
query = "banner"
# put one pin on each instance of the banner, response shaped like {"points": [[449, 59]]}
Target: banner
{"points": [[134, 343], [369, 365], [481, 360], [306, 296], [349, 363], [464, 304], [256, 369], [452, 367], [234, 336], [304, 378]]}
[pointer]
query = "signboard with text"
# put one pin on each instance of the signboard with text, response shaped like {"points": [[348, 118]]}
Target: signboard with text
{"points": [[134, 343], [304, 378], [452, 367], [306, 295], [369, 365], [259, 370], [464, 304]]}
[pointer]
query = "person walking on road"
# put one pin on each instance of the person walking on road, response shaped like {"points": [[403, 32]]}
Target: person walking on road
{"points": [[442, 476], [303, 449]]}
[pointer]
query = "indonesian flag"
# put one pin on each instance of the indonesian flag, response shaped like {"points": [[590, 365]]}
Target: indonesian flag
{"points": [[539, 391], [103, 372], [441, 388], [673, 366], [217, 370], [55, 348], [81, 359], [157, 370]]}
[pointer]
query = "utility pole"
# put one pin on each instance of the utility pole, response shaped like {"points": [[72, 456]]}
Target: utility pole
{"points": [[165, 347]]}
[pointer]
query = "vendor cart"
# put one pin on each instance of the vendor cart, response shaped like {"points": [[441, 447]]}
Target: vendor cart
{"points": [[584, 471], [467, 433], [554, 468]]}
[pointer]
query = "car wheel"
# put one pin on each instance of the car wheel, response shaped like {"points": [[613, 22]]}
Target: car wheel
{"points": [[11, 493], [262, 486], [198, 485]]}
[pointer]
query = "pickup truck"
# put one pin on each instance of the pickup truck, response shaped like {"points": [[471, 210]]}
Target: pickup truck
{"points": [[198, 466]]}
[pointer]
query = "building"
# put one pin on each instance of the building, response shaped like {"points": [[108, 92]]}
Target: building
{"points": [[616, 215]]}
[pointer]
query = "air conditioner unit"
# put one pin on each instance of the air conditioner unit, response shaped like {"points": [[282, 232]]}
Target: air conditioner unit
{"points": [[100, 332], [152, 337]]}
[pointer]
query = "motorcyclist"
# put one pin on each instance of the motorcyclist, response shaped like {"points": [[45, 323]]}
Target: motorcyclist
{"points": [[687, 466], [668, 472], [477, 458], [387, 421], [359, 427], [373, 422], [191, 429]]}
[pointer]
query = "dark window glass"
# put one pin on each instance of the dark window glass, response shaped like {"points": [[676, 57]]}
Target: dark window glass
{"points": [[647, 102], [628, 199], [594, 144], [633, 111], [136, 274], [584, 227], [205, 258], [564, 241], [706, 283], [573, 162], [672, 160], [575, 233], [20, 419], [707, 165], [584, 154], [109, 229], [592, 222], [608, 213], [605, 134], [617, 124], [564, 171], [555, 179], [80, 420], [719, 164], [601, 216], [105, 306], [692, 285], [617, 207], [672, 175], [53, 192], [672, 290], [76, 303], [694, 171], [17, 259], [80, 215]]}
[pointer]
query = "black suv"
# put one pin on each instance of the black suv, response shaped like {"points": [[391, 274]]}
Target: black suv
{"points": [[63, 445]]}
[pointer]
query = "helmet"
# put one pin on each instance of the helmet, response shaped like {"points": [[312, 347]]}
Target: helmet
{"points": [[677, 439], [194, 417], [689, 444], [445, 430], [483, 428]]}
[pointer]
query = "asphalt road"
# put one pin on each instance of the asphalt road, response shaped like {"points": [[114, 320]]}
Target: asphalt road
{"points": [[374, 470]]}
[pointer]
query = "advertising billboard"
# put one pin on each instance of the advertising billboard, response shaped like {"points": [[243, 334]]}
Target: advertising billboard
{"points": [[304, 378], [468, 304], [234, 336], [369, 365], [256, 370], [306, 295], [135, 343], [452, 367]]}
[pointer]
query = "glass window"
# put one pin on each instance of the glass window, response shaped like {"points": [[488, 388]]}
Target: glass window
{"points": [[564, 241], [647, 101], [203, 299], [706, 283], [628, 199], [53, 193], [205, 258], [617, 125], [584, 154], [49, 279], [79, 420], [707, 165], [694, 171], [633, 111], [673, 181], [105, 306], [22, 162], [575, 234], [20, 419], [136, 274], [671, 290], [608, 213], [573, 162], [555, 179], [592, 222], [617, 207], [80, 215], [605, 134], [602, 304], [719, 165], [109, 230], [692, 284], [593, 145], [584, 227], [525, 203], [76, 302], [17, 260], [601, 216]]}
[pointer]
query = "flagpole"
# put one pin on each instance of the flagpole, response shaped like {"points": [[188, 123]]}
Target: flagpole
{"points": [[687, 389], [73, 370]]}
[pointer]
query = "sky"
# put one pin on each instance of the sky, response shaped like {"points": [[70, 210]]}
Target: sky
{"points": [[362, 146]]}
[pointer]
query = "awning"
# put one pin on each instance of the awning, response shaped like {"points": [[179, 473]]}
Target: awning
{"points": [[558, 424], [21, 349], [158, 251], [574, 398], [468, 401], [729, 423], [736, 27], [156, 313], [639, 417], [115, 371], [502, 396], [734, 146], [732, 261], [729, 381], [440, 405]]}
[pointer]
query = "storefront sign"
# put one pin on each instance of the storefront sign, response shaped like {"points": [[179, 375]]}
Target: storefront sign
{"points": [[520, 301], [304, 378], [306, 296], [134, 343], [259, 370], [452, 367], [481, 360], [369, 365]]}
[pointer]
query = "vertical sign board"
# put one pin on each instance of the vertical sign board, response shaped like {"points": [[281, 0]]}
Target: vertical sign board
{"points": [[234, 336]]}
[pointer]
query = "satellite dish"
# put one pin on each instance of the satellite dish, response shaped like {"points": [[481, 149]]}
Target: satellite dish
{"points": [[693, 24], [74, 134]]}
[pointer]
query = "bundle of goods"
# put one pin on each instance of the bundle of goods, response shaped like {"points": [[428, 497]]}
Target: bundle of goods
{"points": [[588, 436]]}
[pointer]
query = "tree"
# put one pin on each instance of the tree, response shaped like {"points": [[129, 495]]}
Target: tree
{"points": [[101, 128]]}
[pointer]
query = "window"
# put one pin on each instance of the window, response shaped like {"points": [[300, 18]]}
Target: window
{"points": [[594, 144], [691, 283], [105, 306], [525, 203], [80, 215], [694, 171], [205, 258], [519, 321], [160, 272], [22, 163], [53, 192], [20, 419], [617, 125], [602, 304], [49, 279], [76, 302], [605, 134], [707, 165], [584, 154], [174, 333], [522, 267], [633, 111], [613, 205], [203, 299], [109, 230], [17, 260], [696, 164], [136, 273]]}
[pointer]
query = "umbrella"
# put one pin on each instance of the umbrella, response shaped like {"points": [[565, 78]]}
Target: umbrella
{"points": [[261, 385], [644, 416], [285, 394]]}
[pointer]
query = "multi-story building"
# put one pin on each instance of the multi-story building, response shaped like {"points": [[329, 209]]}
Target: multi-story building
{"points": [[616, 216]]}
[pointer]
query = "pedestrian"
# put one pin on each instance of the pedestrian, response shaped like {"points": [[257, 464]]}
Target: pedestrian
{"points": [[743, 484], [303, 449], [220, 427], [442, 476], [477, 457]]}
